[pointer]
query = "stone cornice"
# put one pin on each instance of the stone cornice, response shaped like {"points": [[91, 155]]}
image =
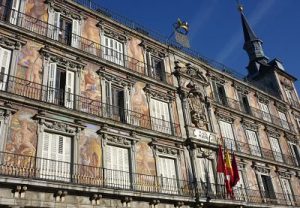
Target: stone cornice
{"points": [[6, 110], [152, 92], [14, 43], [165, 149]]}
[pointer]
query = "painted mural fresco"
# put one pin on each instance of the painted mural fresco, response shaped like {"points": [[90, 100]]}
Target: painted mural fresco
{"points": [[145, 162], [90, 156], [21, 140], [139, 104], [37, 9], [92, 33], [136, 52]]}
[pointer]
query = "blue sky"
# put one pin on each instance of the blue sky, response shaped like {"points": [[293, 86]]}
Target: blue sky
{"points": [[215, 26]]}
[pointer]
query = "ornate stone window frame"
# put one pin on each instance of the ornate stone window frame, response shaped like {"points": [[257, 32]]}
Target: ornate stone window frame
{"points": [[272, 132], [262, 98], [6, 111], [167, 151], [118, 140], [250, 125], [64, 10], [284, 173], [245, 90], [262, 169], [225, 116], [61, 127]]}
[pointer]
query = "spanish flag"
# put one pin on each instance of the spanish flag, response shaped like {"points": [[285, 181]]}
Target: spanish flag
{"points": [[228, 173]]}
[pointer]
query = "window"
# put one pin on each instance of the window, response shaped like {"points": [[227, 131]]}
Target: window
{"points": [[156, 67], [220, 94], [245, 107], [267, 187], [117, 172], [287, 190], [295, 153], [113, 50], [283, 120], [227, 134], [55, 157], [160, 116], [64, 29], [60, 86], [167, 174], [15, 7], [253, 143], [206, 177], [239, 188], [289, 95], [5, 57], [265, 112], [276, 149]]}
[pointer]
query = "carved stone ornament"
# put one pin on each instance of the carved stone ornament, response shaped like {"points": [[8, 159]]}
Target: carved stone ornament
{"points": [[64, 10], [6, 110], [217, 78], [118, 140], [262, 98], [204, 153], [117, 80], [197, 105], [262, 169], [165, 149], [153, 49], [291, 138], [247, 124], [75, 65], [224, 116], [14, 43], [281, 107], [272, 132], [155, 93], [284, 173], [57, 125], [241, 88], [112, 31]]}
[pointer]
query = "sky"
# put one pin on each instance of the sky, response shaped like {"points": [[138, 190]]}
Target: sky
{"points": [[215, 26]]}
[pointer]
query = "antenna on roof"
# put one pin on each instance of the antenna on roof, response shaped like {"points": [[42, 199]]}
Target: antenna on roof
{"points": [[240, 6], [181, 30]]}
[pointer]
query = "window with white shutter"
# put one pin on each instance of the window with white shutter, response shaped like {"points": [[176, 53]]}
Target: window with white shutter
{"points": [[160, 116], [167, 175], [287, 190], [117, 166], [276, 149], [113, 50], [75, 33], [55, 161], [265, 112], [5, 59], [283, 120], [227, 134], [69, 89], [253, 142], [295, 151], [14, 11], [53, 24], [205, 174]]}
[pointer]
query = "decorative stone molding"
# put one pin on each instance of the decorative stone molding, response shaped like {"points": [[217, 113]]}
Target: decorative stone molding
{"points": [[241, 164], [287, 84], [262, 98], [165, 149], [126, 201], [204, 153], [152, 92], [14, 43], [60, 195], [216, 77], [261, 169], [64, 10], [283, 173], [19, 191], [291, 138], [272, 132], [55, 125], [224, 116], [113, 32], [241, 88], [6, 110], [118, 140], [248, 124], [281, 107], [105, 74], [153, 49], [95, 199], [75, 65]]}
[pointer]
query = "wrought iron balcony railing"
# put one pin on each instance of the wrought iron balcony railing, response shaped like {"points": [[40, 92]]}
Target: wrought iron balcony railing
{"points": [[257, 113], [59, 97], [261, 152], [83, 44], [28, 167]]}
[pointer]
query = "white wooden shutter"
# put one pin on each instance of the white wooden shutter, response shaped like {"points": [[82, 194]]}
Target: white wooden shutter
{"points": [[283, 120], [167, 172], [51, 91], [276, 149], [287, 190], [45, 155], [265, 112], [120, 53], [160, 114], [54, 25], [69, 89], [227, 134], [253, 142], [75, 33], [127, 106], [14, 12], [5, 56]]}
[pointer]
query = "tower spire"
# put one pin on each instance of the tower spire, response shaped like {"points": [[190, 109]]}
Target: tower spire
{"points": [[252, 44]]}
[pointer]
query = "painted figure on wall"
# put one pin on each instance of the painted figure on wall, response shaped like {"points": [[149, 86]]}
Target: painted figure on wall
{"points": [[145, 163], [22, 139], [136, 52], [37, 9], [139, 104]]}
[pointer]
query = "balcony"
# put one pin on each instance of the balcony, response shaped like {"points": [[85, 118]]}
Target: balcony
{"points": [[35, 168], [58, 97], [254, 112], [48, 31], [264, 153]]}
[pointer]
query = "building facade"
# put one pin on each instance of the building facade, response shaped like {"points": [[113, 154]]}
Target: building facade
{"points": [[95, 111]]}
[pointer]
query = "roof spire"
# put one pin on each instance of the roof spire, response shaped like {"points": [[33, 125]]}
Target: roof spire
{"points": [[252, 44]]}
